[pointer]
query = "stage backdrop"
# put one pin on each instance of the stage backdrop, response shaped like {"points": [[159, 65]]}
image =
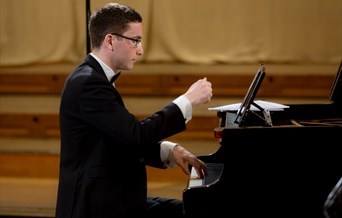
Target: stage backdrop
{"points": [[185, 31]]}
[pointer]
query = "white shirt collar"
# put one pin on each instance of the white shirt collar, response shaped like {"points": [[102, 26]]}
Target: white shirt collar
{"points": [[108, 71]]}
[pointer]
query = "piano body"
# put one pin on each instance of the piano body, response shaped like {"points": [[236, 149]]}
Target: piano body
{"points": [[284, 170]]}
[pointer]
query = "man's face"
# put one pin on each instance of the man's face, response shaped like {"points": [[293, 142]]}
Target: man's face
{"points": [[127, 47]]}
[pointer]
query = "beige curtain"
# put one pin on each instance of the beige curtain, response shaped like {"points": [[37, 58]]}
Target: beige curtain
{"points": [[187, 31]]}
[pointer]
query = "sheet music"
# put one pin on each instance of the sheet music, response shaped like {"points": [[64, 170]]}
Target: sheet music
{"points": [[270, 106]]}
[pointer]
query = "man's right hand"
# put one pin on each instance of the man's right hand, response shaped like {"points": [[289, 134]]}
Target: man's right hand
{"points": [[199, 92]]}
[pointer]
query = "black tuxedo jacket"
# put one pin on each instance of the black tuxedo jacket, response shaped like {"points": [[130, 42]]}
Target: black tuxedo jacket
{"points": [[104, 148]]}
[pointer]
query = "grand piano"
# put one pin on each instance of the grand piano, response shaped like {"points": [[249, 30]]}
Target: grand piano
{"points": [[271, 163]]}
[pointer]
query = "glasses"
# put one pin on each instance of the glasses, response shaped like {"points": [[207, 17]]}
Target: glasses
{"points": [[135, 41]]}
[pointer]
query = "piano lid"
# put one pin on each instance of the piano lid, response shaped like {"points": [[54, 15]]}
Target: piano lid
{"points": [[336, 89]]}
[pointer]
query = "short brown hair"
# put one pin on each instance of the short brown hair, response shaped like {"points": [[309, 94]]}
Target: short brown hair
{"points": [[111, 18]]}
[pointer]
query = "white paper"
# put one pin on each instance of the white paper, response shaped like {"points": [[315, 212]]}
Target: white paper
{"points": [[270, 106]]}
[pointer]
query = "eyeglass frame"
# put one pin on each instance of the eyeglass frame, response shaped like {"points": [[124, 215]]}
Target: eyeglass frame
{"points": [[136, 41]]}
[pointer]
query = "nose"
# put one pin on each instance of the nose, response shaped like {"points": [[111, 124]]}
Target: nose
{"points": [[140, 50]]}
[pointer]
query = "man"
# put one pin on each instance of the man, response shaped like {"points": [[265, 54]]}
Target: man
{"points": [[104, 148]]}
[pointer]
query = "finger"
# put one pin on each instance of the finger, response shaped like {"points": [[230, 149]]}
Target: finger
{"points": [[203, 168], [200, 168], [205, 171], [201, 172]]}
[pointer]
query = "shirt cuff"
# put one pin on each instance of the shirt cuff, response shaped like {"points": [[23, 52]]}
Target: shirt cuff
{"points": [[185, 106], [166, 149]]}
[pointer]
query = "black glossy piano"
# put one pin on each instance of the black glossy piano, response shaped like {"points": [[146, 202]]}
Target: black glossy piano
{"points": [[273, 164]]}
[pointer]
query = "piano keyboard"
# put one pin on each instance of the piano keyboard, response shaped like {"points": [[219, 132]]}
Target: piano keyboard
{"points": [[214, 173]]}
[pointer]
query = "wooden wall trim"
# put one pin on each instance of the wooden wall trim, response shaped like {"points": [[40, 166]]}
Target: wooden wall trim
{"points": [[173, 85], [47, 126]]}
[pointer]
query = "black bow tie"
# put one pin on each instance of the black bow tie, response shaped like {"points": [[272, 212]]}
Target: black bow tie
{"points": [[115, 77]]}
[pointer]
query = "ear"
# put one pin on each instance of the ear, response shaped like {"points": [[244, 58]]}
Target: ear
{"points": [[108, 41]]}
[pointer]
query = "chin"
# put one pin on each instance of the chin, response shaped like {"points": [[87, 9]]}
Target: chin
{"points": [[130, 67]]}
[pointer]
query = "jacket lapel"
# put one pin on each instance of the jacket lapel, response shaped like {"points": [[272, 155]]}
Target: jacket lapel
{"points": [[92, 62]]}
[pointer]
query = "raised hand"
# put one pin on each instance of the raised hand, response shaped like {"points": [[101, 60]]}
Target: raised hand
{"points": [[199, 92]]}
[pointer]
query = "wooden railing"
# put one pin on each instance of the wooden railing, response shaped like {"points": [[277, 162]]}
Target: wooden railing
{"points": [[47, 125], [172, 85]]}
